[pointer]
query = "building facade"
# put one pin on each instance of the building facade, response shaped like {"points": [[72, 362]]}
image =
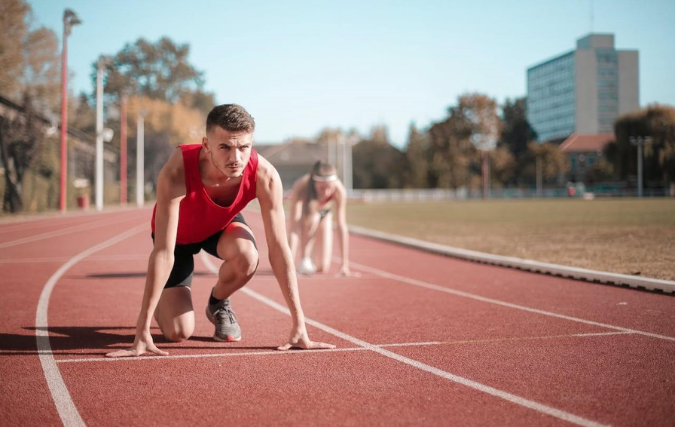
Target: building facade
{"points": [[584, 90]]}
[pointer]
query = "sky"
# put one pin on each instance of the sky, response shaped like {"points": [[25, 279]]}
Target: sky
{"points": [[301, 66]]}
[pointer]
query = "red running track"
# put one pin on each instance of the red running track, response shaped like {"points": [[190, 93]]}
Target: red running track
{"points": [[422, 339]]}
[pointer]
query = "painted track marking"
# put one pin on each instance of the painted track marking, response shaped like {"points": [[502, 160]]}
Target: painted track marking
{"points": [[518, 400], [64, 403], [275, 352], [431, 286], [69, 230]]}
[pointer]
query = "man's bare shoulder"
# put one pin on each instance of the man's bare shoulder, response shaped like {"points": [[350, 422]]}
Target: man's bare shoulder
{"points": [[266, 171], [172, 176]]}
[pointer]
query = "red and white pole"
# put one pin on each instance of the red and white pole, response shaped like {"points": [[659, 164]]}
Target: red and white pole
{"points": [[64, 117]]}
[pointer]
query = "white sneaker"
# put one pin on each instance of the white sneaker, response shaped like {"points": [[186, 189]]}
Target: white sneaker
{"points": [[306, 267]]}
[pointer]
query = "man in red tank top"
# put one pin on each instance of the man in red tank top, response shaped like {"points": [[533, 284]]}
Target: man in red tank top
{"points": [[201, 191]]}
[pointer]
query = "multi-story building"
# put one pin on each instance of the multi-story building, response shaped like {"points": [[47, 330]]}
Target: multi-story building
{"points": [[584, 90]]}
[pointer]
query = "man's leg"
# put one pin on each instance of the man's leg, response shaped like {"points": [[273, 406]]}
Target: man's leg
{"points": [[236, 247], [174, 313], [324, 244]]}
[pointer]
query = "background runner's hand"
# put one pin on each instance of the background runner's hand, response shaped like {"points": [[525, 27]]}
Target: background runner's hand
{"points": [[345, 272], [300, 339], [142, 343]]}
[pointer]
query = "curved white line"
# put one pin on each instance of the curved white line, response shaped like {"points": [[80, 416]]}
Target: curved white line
{"points": [[64, 404]]}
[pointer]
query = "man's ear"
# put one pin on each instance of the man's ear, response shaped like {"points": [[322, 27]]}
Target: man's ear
{"points": [[205, 144]]}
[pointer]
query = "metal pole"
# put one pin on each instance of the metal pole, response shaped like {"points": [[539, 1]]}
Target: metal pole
{"points": [[64, 117], [99, 137], [539, 176], [640, 141], [349, 183], [123, 150], [140, 158], [343, 142], [484, 170]]}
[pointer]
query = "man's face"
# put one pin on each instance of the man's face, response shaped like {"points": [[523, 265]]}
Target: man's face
{"points": [[229, 151], [324, 189]]}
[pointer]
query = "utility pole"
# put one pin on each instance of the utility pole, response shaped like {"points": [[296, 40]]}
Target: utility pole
{"points": [[639, 141], [69, 20]]}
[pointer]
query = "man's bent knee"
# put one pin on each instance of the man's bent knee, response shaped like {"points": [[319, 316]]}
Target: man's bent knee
{"points": [[245, 263], [179, 334]]}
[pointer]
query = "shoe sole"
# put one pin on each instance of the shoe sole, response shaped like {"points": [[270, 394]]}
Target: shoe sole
{"points": [[228, 338]]}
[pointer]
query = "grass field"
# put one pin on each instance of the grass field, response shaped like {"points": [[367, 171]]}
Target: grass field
{"points": [[627, 236]]}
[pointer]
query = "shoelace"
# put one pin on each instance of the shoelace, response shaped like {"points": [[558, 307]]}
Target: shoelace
{"points": [[225, 310]]}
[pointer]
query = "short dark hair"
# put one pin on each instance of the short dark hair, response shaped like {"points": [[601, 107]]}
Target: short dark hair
{"points": [[231, 117]]}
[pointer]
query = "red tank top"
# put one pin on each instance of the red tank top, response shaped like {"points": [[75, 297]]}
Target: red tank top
{"points": [[200, 217]]}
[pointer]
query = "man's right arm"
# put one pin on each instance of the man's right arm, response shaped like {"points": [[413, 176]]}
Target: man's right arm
{"points": [[170, 191]]}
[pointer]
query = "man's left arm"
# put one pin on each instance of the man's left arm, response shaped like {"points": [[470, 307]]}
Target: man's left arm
{"points": [[343, 232], [269, 192]]}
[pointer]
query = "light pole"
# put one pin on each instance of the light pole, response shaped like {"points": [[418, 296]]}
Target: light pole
{"points": [[140, 159], [69, 19], [639, 141], [101, 133]]}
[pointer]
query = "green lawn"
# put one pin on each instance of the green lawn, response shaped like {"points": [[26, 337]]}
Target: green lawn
{"points": [[628, 236]]}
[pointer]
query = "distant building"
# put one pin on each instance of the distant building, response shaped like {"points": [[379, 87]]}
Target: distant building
{"points": [[583, 152], [584, 90], [292, 159]]}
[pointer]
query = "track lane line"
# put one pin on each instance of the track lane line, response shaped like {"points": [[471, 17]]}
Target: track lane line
{"points": [[64, 403], [69, 230], [434, 287], [275, 352], [518, 400]]}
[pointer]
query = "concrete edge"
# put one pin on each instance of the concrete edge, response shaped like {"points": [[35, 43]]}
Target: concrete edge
{"points": [[583, 274]]}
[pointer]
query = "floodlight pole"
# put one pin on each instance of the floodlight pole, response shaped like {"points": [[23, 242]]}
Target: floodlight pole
{"points": [[639, 141], [69, 19], [99, 136]]}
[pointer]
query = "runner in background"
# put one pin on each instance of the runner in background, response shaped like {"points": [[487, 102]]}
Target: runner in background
{"points": [[314, 198]]}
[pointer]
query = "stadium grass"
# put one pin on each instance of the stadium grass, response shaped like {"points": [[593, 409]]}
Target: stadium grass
{"points": [[627, 236]]}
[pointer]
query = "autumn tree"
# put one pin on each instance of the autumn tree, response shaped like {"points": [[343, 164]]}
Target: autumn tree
{"points": [[455, 158], [29, 75]]}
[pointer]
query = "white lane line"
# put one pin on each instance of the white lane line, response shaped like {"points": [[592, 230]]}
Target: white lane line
{"points": [[502, 303], [518, 400], [60, 395], [64, 231], [275, 352], [547, 337], [140, 257], [201, 356]]}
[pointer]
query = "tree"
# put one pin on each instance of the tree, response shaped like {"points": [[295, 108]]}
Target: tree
{"points": [[29, 71], [657, 122], [554, 162], [20, 140], [516, 132], [472, 123], [418, 159], [157, 71], [377, 163]]}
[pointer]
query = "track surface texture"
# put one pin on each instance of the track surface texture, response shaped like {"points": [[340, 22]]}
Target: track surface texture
{"points": [[421, 340]]}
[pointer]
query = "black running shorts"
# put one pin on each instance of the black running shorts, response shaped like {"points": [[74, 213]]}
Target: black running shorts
{"points": [[184, 265]]}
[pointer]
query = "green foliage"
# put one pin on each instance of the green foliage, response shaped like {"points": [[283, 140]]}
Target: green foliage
{"points": [[377, 163], [158, 70], [517, 132], [657, 122]]}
